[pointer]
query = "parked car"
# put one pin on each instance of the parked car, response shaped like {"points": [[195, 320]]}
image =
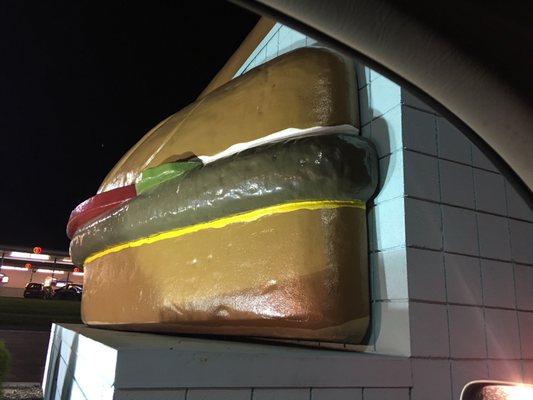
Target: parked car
{"points": [[69, 292], [34, 290]]}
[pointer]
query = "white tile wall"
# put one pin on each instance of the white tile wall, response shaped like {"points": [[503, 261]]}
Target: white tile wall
{"points": [[456, 184], [490, 192], [390, 274], [337, 394], [505, 370], [526, 334], [387, 225], [384, 96], [431, 379], [494, 240], [149, 394], [463, 279], [498, 284], [516, 205], [503, 339], [522, 241], [467, 332], [420, 130], [413, 102], [423, 224], [386, 131], [524, 285], [429, 330], [527, 369], [460, 230], [481, 161], [421, 176], [451, 243], [464, 372], [452, 144], [426, 275], [281, 394], [391, 177], [218, 394], [385, 394], [391, 332]]}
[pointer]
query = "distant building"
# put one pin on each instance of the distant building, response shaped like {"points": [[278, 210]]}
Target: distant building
{"points": [[19, 266]]}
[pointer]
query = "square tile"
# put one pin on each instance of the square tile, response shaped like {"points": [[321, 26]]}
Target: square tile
{"points": [[493, 236], [463, 279], [525, 320], [385, 394], [385, 95], [421, 176], [464, 372], [391, 328], [281, 394], [429, 330], [426, 275], [431, 379], [505, 370], [524, 287], [413, 101], [337, 394], [527, 367], [423, 224], [498, 284], [456, 184], [489, 189], [142, 394], [502, 333], [391, 174], [517, 206], [387, 225], [460, 230], [521, 241], [452, 144], [389, 275], [480, 160], [419, 130], [467, 332], [386, 132], [218, 394]]}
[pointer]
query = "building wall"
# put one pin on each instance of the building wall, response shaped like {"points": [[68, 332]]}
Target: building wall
{"points": [[463, 262], [451, 261], [451, 244]]}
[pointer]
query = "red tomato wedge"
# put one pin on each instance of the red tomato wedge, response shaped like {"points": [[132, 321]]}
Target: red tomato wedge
{"points": [[98, 205]]}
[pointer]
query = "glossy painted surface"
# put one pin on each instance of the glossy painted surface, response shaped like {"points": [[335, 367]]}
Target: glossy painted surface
{"points": [[97, 206], [152, 177], [297, 275], [266, 241], [332, 167], [301, 89]]}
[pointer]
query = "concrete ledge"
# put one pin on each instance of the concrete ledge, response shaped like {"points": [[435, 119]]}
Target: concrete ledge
{"points": [[98, 363]]}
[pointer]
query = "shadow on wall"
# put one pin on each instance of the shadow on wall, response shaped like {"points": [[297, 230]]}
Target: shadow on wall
{"points": [[378, 283], [380, 102]]}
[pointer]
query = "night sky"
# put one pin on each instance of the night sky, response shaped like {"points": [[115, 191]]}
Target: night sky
{"points": [[81, 82]]}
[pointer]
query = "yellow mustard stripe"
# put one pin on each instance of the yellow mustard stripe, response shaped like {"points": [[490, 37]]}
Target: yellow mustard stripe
{"points": [[248, 216]]}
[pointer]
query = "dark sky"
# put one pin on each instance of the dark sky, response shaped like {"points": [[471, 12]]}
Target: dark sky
{"points": [[81, 82]]}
